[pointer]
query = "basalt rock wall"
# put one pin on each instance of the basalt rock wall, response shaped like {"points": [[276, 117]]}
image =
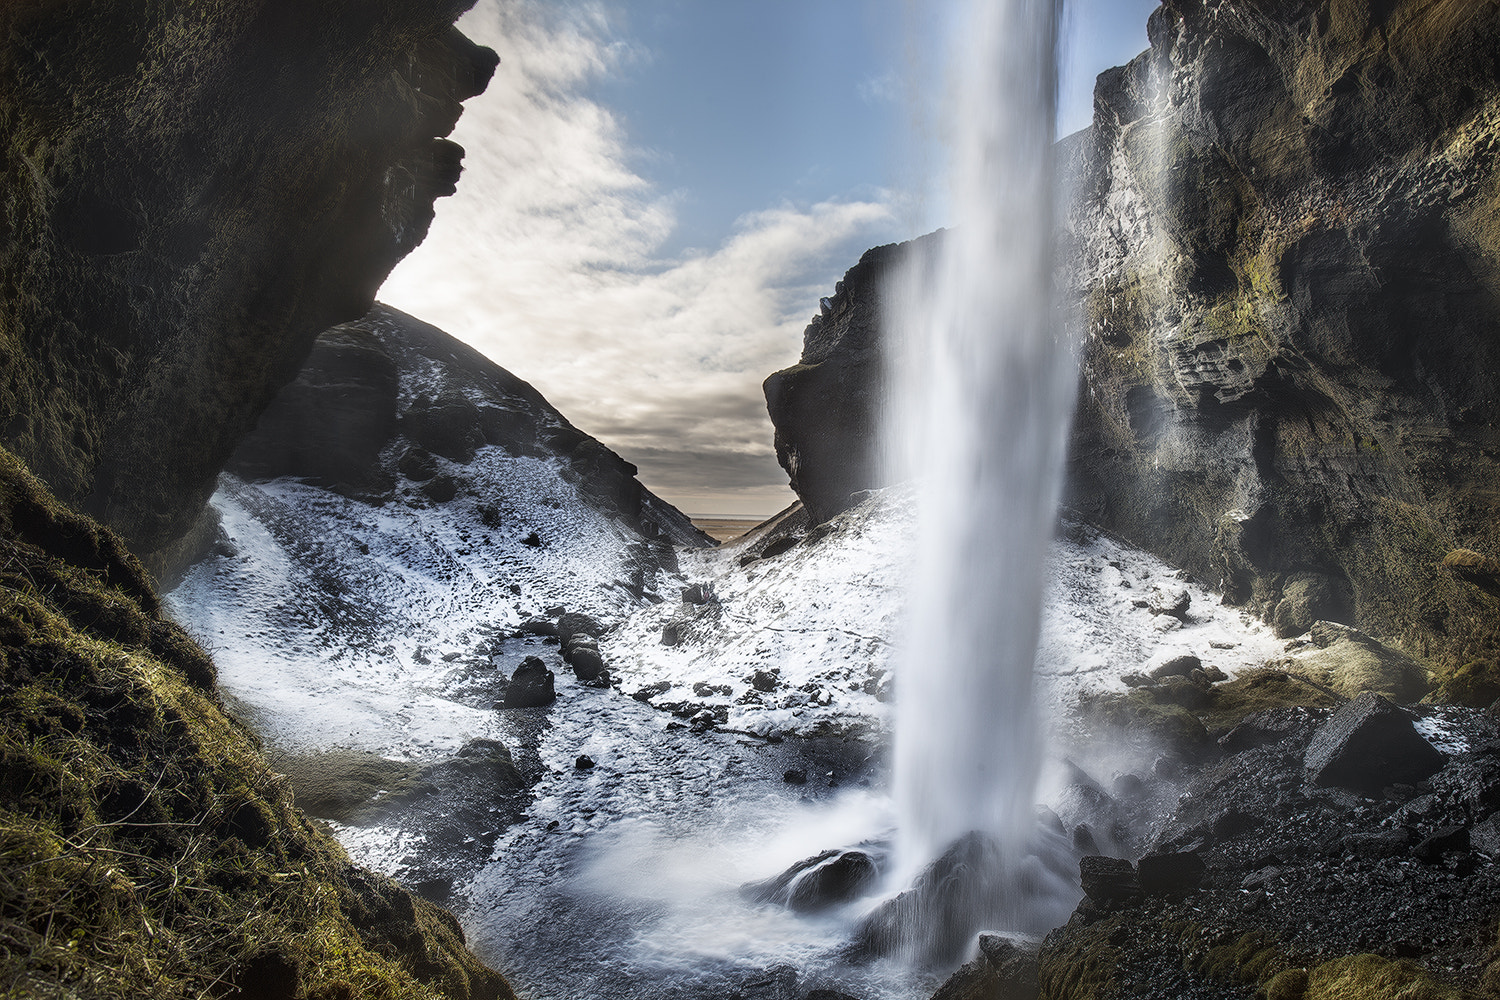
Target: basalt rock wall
{"points": [[191, 193], [1284, 241], [1280, 239]]}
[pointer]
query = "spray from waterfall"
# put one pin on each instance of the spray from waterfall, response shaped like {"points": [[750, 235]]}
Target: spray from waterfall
{"points": [[984, 388]]}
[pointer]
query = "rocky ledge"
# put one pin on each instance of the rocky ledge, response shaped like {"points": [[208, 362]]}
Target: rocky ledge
{"points": [[191, 198]]}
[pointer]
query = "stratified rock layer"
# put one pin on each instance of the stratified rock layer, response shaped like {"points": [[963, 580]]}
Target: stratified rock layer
{"points": [[193, 193], [1281, 238], [1284, 239]]}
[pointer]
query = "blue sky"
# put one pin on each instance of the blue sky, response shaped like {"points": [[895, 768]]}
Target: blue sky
{"points": [[657, 192]]}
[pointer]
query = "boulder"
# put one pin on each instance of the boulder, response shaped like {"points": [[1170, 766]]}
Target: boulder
{"points": [[1173, 872], [1348, 662], [531, 686], [829, 879], [1006, 968], [1177, 666], [1368, 745], [587, 664], [1107, 880], [1173, 601]]}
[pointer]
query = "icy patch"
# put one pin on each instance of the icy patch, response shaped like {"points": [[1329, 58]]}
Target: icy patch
{"points": [[818, 622]]}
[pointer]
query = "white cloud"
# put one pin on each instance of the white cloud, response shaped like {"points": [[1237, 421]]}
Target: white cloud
{"points": [[548, 260]]}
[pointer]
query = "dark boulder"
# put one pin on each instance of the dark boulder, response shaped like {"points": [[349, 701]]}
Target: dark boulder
{"points": [[587, 664], [818, 883], [1108, 880], [1006, 968], [1175, 872], [531, 686], [1367, 745]]}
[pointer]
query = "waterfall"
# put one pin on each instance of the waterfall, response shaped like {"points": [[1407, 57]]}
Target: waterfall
{"points": [[984, 387]]}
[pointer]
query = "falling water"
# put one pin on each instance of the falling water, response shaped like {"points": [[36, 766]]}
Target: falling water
{"points": [[985, 388]]}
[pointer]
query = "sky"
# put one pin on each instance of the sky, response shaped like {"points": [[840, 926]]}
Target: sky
{"points": [[656, 193]]}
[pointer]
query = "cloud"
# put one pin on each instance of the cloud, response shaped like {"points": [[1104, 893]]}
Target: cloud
{"points": [[548, 260]]}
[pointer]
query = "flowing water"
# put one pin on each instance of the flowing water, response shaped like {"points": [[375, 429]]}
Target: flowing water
{"points": [[984, 393]]}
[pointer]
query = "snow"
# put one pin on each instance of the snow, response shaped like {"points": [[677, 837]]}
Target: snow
{"points": [[827, 616], [339, 623]]}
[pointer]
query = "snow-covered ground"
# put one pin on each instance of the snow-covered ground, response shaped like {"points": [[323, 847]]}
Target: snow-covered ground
{"points": [[826, 616], [340, 624], [336, 623]]}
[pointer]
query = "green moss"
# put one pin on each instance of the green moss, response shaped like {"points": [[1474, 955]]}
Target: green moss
{"points": [[1250, 960], [1370, 977], [1258, 690], [146, 847], [1080, 964]]}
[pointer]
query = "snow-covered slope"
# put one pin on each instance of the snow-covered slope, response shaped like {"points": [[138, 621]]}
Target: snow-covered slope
{"points": [[817, 626]]}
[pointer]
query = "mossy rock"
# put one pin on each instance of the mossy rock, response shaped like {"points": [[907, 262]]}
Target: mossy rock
{"points": [[147, 847]]}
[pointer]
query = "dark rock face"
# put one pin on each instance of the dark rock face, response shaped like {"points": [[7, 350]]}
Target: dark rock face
{"points": [[389, 396], [331, 422], [827, 408], [1282, 248], [189, 203], [1283, 243]]}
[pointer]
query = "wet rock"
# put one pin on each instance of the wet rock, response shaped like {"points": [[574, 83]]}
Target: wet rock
{"points": [[583, 763], [671, 634], [532, 540], [1369, 744], [795, 776], [966, 889], [1006, 969], [1178, 666], [440, 489], [1108, 880], [819, 883], [531, 686], [1171, 601], [1174, 872], [698, 593]]}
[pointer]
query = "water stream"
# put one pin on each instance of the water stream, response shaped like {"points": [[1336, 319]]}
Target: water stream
{"points": [[985, 390]]}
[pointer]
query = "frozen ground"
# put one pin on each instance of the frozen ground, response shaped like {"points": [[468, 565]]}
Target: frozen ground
{"points": [[339, 624]]}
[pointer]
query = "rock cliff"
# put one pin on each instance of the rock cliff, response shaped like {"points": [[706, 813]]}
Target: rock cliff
{"points": [[390, 407], [1281, 236], [192, 194]]}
